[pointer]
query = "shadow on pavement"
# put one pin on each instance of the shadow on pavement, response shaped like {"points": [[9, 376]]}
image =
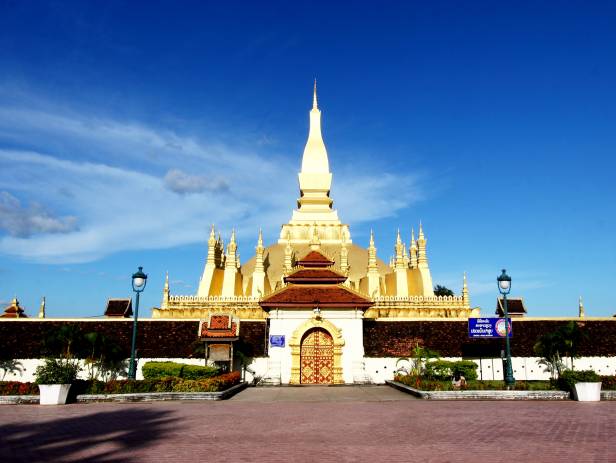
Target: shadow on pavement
{"points": [[99, 437]]}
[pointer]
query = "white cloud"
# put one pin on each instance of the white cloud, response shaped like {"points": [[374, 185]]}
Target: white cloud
{"points": [[182, 183], [24, 222], [119, 181]]}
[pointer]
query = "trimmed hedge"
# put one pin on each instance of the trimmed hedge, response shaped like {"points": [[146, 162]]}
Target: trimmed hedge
{"points": [[168, 384], [446, 369], [156, 370]]}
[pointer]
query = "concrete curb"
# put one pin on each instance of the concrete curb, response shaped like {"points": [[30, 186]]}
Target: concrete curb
{"points": [[19, 399], [135, 397], [480, 395]]}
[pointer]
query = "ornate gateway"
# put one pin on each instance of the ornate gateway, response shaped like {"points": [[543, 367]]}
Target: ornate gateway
{"points": [[317, 357]]}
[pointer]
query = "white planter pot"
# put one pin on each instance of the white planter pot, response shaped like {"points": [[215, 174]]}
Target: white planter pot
{"points": [[587, 392], [53, 394]]}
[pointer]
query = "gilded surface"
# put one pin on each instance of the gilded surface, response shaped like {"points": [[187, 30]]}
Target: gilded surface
{"points": [[317, 357], [295, 345]]}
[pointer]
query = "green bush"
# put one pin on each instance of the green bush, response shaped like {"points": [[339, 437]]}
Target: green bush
{"points": [[198, 372], [155, 370], [568, 378], [168, 384], [466, 368], [57, 371], [439, 369], [446, 369]]}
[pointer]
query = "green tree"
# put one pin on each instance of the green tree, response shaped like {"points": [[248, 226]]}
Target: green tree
{"points": [[563, 342], [442, 291]]}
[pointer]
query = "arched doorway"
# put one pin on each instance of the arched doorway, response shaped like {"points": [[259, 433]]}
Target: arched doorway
{"points": [[317, 357]]}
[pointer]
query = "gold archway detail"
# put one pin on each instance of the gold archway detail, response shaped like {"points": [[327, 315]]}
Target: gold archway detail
{"points": [[296, 341]]}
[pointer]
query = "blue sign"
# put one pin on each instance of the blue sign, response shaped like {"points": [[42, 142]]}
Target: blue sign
{"points": [[277, 340], [488, 328]]}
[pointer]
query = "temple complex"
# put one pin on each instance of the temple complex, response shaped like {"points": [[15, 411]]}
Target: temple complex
{"points": [[315, 286]]}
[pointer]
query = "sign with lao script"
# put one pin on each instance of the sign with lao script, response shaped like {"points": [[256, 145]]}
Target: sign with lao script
{"points": [[277, 340], [488, 328]]}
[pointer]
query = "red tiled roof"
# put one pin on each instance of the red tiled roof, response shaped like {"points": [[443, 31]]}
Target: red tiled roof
{"points": [[219, 327], [315, 276], [219, 322], [315, 259], [14, 311], [310, 295], [119, 308], [515, 307]]}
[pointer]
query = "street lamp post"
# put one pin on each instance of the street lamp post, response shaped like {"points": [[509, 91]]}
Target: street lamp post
{"points": [[139, 281], [504, 286]]}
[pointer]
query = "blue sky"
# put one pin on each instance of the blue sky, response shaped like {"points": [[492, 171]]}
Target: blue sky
{"points": [[126, 128]]}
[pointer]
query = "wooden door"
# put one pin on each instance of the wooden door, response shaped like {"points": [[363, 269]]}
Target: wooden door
{"points": [[317, 357]]}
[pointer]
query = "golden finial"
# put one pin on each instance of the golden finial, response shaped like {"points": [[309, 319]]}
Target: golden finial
{"points": [[314, 96], [371, 238], [260, 239], [421, 233]]}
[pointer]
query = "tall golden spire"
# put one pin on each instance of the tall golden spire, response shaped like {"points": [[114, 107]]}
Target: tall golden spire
{"points": [[315, 159], [413, 249], [465, 296], [211, 247], [399, 263], [259, 255], [371, 253], [422, 257]]}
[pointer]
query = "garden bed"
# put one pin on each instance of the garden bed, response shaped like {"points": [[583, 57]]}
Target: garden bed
{"points": [[481, 394], [170, 388]]}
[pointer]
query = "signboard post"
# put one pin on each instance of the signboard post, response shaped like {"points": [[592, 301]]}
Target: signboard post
{"points": [[488, 327]]}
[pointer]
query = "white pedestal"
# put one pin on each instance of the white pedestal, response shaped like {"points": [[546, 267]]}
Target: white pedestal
{"points": [[53, 394], [587, 392]]}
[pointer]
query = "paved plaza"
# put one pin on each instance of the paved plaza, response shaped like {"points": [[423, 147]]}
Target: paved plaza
{"points": [[311, 424]]}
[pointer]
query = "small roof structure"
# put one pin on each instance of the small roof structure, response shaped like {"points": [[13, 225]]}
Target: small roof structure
{"points": [[119, 308], [314, 284], [219, 327], [14, 310], [515, 307], [315, 259]]}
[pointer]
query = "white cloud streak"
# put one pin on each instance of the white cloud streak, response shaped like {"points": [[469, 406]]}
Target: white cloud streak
{"points": [[129, 187]]}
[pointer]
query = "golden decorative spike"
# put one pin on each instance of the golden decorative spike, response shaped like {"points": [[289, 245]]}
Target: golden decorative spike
{"points": [[314, 97]]}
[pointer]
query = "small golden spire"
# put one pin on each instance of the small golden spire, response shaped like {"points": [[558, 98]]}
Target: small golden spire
{"points": [[166, 288], [260, 239], [421, 233], [581, 311], [371, 238], [41, 313], [465, 296]]}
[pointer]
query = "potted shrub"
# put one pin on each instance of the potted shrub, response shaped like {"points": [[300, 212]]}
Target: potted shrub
{"points": [[585, 385], [54, 379]]}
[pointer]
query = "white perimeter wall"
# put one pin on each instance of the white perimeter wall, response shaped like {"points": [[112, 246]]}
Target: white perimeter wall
{"points": [[376, 370]]}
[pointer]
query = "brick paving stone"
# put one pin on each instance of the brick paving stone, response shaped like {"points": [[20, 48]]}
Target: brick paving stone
{"points": [[308, 424]]}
